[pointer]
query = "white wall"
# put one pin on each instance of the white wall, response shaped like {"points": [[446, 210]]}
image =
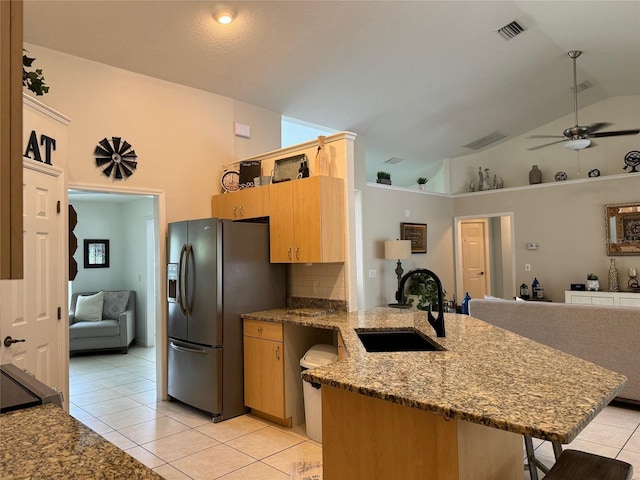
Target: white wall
{"points": [[182, 136], [512, 161], [567, 219], [99, 221], [384, 210], [124, 225]]}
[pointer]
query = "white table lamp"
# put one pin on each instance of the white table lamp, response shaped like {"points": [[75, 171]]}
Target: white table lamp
{"points": [[397, 250]]}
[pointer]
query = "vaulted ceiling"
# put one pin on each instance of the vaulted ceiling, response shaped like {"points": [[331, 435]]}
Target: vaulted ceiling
{"points": [[419, 79]]}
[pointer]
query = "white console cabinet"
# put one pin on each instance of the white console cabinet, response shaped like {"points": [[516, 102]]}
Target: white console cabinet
{"points": [[617, 299]]}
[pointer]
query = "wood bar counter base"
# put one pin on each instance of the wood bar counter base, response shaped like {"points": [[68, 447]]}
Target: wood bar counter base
{"points": [[46, 442], [453, 414]]}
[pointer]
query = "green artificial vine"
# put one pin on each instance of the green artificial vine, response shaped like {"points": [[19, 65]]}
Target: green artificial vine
{"points": [[33, 80]]}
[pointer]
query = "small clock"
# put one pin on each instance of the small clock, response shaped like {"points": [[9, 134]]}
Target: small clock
{"points": [[230, 180]]}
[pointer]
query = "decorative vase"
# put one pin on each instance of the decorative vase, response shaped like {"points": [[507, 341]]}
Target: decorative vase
{"points": [[421, 186], [613, 277], [535, 175]]}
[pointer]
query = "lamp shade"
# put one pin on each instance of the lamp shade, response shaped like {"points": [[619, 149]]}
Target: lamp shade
{"points": [[397, 249], [578, 144]]}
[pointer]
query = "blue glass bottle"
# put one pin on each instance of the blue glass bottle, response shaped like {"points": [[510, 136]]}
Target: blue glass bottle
{"points": [[534, 287], [465, 304]]}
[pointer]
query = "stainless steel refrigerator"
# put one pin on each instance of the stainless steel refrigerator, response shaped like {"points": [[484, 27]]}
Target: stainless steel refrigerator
{"points": [[216, 270]]}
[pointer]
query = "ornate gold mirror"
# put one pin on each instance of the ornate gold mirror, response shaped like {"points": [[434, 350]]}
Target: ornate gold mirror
{"points": [[623, 229]]}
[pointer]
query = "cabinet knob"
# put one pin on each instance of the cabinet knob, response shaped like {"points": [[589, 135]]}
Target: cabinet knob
{"points": [[240, 210], [297, 253], [289, 253], [234, 212], [278, 352], [259, 329]]}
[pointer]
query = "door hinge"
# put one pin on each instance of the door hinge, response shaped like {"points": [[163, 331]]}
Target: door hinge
{"points": [[58, 207], [59, 313]]}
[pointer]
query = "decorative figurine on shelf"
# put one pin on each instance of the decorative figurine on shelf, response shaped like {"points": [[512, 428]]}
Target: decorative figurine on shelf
{"points": [[633, 278], [472, 187], [592, 282], [480, 179], [487, 178], [594, 173], [632, 159], [614, 286]]}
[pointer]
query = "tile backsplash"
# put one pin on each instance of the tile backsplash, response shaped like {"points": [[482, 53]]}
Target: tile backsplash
{"points": [[318, 280]]}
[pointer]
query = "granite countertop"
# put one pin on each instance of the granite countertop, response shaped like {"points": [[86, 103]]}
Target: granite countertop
{"points": [[487, 375], [46, 442]]}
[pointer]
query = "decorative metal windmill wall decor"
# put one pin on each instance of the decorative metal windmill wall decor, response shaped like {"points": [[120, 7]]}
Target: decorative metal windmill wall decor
{"points": [[116, 158]]}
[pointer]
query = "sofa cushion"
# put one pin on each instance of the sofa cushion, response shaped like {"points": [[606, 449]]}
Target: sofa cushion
{"points": [[105, 328], [115, 303], [89, 307]]}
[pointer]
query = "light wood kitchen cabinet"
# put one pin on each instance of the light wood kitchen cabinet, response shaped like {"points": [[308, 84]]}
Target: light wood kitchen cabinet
{"points": [[264, 367], [11, 188], [307, 221], [241, 205]]}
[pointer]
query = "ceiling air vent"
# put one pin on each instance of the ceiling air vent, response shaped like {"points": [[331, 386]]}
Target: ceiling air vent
{"points": [[512, 30], [582, 86], [394, 160], [486, 140]]}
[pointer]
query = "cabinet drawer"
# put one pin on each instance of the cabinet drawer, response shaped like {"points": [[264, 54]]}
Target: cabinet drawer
{"points": [[266, 330]]}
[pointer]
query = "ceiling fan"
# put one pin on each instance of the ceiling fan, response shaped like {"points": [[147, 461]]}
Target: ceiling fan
{"points": [[579, 137]]}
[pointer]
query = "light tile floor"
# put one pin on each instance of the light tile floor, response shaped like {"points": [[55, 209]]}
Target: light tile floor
{"points": [[114, 394]]}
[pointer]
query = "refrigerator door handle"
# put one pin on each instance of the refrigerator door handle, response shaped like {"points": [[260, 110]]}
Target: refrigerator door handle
{"points": [[180, 279], [186, 279], [187, 350]]}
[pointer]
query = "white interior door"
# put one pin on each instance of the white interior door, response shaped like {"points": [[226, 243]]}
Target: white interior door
{"points": [[29, 307], [474, 261]]}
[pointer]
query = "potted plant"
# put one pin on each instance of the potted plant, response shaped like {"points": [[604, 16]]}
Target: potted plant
{"points": [[384, 177], [422, 181], [425, 291], [592, 282]]}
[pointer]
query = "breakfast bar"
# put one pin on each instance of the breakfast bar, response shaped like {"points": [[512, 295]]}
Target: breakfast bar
{"points": [[459, 413]]}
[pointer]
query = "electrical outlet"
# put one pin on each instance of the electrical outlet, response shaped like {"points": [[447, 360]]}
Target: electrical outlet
{"points": [[527, 267], [373, 274], [407, 213]]}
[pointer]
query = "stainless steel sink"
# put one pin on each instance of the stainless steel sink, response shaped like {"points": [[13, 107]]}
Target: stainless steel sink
{"points": [[396, 341]]}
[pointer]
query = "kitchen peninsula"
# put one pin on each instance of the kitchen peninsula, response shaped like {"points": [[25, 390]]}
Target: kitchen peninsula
{"points": [[453, 414], [46, 442]]}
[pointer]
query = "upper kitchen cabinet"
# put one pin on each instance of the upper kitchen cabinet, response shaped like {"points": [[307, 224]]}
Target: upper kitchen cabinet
{"points": [[308, 221], [11, 231], [241, 205]]}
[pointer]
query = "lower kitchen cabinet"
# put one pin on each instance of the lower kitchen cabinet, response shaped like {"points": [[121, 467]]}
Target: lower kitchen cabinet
{"points": [[264, 367], [272, 382], [617, 299]]}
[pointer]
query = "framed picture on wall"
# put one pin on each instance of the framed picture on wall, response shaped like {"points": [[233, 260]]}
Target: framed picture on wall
{"points": [[417, 233], [96, 254]]}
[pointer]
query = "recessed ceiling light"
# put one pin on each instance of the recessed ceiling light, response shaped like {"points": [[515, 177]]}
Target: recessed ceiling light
{"points": [[224, 16]]}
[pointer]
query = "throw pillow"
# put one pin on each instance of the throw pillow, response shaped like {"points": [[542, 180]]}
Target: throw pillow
{"points": [[89, 307], [115, 303]]}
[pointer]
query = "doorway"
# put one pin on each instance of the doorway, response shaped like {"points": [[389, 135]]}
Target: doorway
{"points": [[485, 255], [134, 220]]}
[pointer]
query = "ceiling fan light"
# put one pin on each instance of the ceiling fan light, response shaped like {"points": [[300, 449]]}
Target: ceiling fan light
{"points": [[578, 144]]}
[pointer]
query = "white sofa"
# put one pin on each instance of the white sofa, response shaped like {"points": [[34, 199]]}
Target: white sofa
{"points": [[606, 336]]}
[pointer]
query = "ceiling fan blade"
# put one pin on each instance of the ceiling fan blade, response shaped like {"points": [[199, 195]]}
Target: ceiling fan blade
{"points": [[546, 144], [616, 133], [546, 136], [594, 127]]}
